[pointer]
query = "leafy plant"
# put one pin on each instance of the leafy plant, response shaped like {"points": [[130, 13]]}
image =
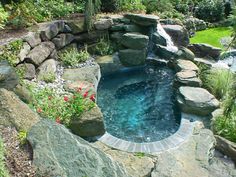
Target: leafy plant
{"points": [[139, 154], [22, 137], [3, 170], [3, 16], [218, 82], [132, 6], [158, 6], [48, 77], [104, 47], [10, 52], [73, 57]]}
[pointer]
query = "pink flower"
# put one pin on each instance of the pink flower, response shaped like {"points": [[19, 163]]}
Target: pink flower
{"points": [[66, 98], [79, 89], [39, 110], [92, 97], [50, 97], [58, 120]]}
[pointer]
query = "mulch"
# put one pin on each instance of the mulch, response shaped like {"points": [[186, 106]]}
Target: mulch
{"points": [[18, 157]]}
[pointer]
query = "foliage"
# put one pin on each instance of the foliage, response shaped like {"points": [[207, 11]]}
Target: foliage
{"points": [[3, 170], [73, 57], [232, 18], [109, 5], [212, 36], [171, 14], [210, 10], [22, 137], [218, 82], [225, 125], [49, 77], [132, 6], [158, 6], [62, 109], [139, 154], [104, 47], [3, 16], [10, 52]]}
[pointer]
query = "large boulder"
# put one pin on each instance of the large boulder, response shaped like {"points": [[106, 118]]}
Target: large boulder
{"points": [[188, 78], [91, 74], [109, 63], [196, 100], [143, 19], [134, 40], [178, 34], [38, 54], [89, 124], [103, 24], [130, 57], [13, 112], [24, 51], [76, 26], [33, 39], [90, 37], [185, 53], [158, 39], [57, 152], [164, 52], [8, 77], [62, 40], [49, 67], [205, 51], [28, 70]]}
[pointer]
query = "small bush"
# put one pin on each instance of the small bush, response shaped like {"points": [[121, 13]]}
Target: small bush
{"points": [[48, 77], [73, 57], [104, 47], [62, 109], [132, 6], [219, 82], [3, 16], [158, 6], [3, 170]]}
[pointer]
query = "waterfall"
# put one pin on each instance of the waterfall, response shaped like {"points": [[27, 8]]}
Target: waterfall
{"points": [[170, 45]]}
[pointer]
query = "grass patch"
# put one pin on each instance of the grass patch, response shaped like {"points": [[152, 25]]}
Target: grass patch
{"points": [[211, 36], [3, 170]]}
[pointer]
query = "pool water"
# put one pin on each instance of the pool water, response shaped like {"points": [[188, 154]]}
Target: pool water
{"points": [[139, 103]]}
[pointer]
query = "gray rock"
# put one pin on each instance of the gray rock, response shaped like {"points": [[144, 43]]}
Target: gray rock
{"points": [[182, 65], [103, 24], [49, 67], [130, 57], [57, 152], [178, 34], [158, 39], [133, 28], [54, 55], [91, 37], [91, 74], [33, 39], [89, 124], [118, 27], [188, 78], [197, 101], [13, 112], [109, 64], [8, 77], [24, 51], [75, 86], [117, 36], [135, 166], [142, 19], [40, 53], [135, 41], [23, 93], [184, 53], [62, 40], [50, 30], [204, 61], [164, 52], [76, 26], [205, 51], [28, 69]]}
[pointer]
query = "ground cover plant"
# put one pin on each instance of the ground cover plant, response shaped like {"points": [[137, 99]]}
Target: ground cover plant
{"points": [[3, 170], [212, 36]]}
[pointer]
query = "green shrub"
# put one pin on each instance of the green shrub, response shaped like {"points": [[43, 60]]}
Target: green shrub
{"points": [[171, 14], [109, 5], [22, 137], [132, 6], [158, 6], [3, 170], [62, 109], [219, 82], [210, 10], [3, 16], [104, 47], [73, 57], [48, 77], [10, 52]]}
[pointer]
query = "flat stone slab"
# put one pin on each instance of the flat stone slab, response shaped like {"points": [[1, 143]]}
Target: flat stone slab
{"points": [[143, 20], [188, 78], [182, 65], [134, 40], [195, 100], [130, 57]]}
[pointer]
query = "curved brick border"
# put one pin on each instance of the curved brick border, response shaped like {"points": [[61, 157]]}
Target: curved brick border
{"points": [[173, 141]]}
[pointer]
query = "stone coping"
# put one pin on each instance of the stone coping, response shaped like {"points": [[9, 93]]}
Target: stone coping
{"points": [[171, 142]]}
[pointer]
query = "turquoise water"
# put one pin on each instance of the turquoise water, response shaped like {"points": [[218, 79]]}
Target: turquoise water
{"points": [[139, 104]]}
